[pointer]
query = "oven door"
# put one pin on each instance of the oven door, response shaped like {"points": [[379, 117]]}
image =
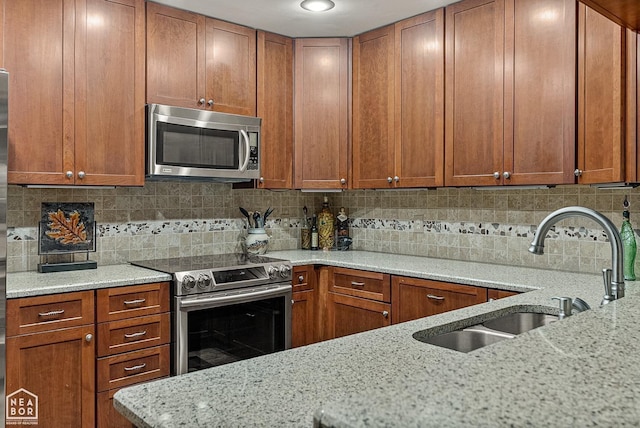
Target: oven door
{"points": [[220, 328]]}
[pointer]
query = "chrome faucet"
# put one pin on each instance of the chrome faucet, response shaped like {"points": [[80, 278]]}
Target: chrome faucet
{"points": [[614, 277]]}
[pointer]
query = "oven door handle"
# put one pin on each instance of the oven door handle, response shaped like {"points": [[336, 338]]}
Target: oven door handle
{"points": [[195, 304]]}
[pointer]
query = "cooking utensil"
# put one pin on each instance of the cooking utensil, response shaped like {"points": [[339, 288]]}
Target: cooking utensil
{"points": [[266, 215], [246, 214]]}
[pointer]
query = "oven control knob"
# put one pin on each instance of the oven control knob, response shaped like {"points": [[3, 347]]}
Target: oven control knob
{"points": [[285, 271], [272, 271], [188, 282], [204, 281]]}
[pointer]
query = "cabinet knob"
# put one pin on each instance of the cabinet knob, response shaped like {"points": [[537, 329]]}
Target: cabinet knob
{"points": [[506, 175], [496, 175], [385, 314], [396, 178], [261, 179], [69, 174], [577, 172], [88, 337], [81, 175], [201, 101], [389, 179], [210, 102], [343, 181], [300, 279], [293, 302]]}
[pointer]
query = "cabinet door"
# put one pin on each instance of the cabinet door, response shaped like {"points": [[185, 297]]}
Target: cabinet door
{"points": [[373, 109], [39, 56], [419, 95], [416, 298], [59, 367], [601, 89], [107, 415], [231, 67], [302, 318], [540, 92], [350, 315], [321, 113], [474, 93], [275, 107], [175, 57], [110, 100]]}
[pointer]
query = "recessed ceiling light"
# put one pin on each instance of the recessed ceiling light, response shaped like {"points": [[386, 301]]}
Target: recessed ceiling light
{"points": [[317, 5]]}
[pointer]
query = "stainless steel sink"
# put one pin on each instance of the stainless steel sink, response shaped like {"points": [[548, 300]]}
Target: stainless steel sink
{"points": [[466, 340], [520, 322], [489, 332]]}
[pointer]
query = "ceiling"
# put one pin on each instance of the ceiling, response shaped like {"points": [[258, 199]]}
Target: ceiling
{"points": [[286, 17]]}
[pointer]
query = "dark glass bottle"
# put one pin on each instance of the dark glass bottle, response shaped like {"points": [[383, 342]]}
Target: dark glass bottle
{"points": [[314, 233]]}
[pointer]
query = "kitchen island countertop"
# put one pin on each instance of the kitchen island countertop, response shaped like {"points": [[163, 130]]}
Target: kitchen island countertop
{"points": [[582, 371]]}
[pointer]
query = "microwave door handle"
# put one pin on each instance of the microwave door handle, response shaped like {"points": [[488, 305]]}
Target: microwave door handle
{"points": [[247, 149]]}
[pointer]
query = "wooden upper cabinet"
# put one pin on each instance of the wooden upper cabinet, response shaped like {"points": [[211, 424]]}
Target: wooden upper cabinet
{"points": [[540, 92], [41, 98], [275, 107], [419, 97], [85, 69], [474, 92], [198, 62], [321, 113], [373, 109], [175, 57], [110, 93], [510, 92], [231, 67], [601, 98]]}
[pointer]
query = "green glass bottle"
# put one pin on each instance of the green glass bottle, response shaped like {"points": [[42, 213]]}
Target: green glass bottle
{"points": [[629, 247]]}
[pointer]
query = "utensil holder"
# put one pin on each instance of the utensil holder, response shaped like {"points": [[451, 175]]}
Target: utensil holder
{"points": [[257, 241]]}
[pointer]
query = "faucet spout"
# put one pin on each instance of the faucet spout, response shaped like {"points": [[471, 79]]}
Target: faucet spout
{"points": [[616, 285]]}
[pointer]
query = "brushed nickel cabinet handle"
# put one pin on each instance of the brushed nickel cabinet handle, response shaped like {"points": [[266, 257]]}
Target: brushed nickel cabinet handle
{"points": [[343, 181], [434, 297], [496, 175], [138, 367], [385, 314], [357, 284], [81, 175], [88, 337], [134, 302], [577, 172], [69, 174], [389, 179], [132, 335], [300, 279], [51, 313]]}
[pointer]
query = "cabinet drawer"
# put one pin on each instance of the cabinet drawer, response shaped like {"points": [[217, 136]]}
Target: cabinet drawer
{"points": [[303, 278], [416, 298], [133, 367], [44, 313], [369, 285], [115, 337], [349, 315], [134, 301]]}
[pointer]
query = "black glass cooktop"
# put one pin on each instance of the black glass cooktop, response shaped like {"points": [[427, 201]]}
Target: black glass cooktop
{"points": [[214, 262]]}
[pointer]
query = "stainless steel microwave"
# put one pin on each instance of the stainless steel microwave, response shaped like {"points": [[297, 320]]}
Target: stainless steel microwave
{"points": [[199, 144]]}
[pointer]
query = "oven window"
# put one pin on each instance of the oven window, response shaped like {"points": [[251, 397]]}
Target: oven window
{"points": [[187, 146], [236, 332]]}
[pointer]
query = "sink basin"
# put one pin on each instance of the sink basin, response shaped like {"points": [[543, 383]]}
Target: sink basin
{"points": [[519, 322], [489, 332], [466, 340]]}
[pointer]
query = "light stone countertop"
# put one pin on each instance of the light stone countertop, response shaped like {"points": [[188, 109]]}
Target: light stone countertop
{"points": [[582, 371], [29, 284]]}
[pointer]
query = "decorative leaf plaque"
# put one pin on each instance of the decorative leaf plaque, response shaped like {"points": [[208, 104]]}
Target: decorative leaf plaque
{"points": [[67, 227]]}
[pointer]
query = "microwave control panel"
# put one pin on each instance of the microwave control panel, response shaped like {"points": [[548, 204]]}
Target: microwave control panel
{"points": [[254, 159]]}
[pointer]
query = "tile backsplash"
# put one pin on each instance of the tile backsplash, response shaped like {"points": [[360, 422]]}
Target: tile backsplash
{"points": [[170, 219]]}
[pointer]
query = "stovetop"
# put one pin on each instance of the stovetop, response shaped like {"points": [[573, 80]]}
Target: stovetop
{"points": [[215, 262], [213, 273]]}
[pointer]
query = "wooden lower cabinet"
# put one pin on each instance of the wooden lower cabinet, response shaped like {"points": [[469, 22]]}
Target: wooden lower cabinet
{"points": [[493, 294], [107, 415], [57, 366], [348, 315], [416, 298], [305, 302]]}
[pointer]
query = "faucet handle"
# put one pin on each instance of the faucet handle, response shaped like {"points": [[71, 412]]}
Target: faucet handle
{"points": [[606, 278], [565, 306]]}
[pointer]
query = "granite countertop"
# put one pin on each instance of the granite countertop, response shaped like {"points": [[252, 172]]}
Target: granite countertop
{"points": [[581, 371], [29, 284]]}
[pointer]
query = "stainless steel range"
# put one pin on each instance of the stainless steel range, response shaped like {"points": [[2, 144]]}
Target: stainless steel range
{"points": [[226, 307]]}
